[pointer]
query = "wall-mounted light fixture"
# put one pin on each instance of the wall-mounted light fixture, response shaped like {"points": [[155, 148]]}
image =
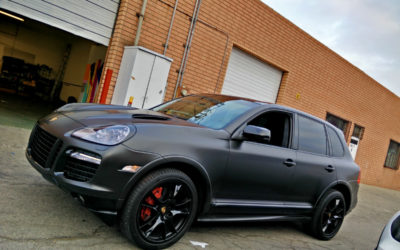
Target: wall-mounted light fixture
{"points": [[11, 15]]}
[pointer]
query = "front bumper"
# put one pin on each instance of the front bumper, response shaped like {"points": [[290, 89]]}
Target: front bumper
{"points": [[103, 189]]}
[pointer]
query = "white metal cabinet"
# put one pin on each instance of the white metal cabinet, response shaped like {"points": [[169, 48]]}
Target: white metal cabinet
{"points": [[143, 75]]}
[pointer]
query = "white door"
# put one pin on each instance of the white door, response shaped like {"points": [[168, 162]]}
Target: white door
{"points": [[250, 77], [353, 146], [90, 19], [155, 91], [139, 82]]}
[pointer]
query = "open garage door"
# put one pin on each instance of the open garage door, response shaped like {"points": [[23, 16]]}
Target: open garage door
{"points": [[41, 68], [91, 19], [250, 77]]}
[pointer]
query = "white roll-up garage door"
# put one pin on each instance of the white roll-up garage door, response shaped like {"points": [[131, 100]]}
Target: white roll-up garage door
{"points": [[249, 77], [90, 19]]}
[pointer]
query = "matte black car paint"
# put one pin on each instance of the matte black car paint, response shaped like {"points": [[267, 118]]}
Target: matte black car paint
{"points": [[231, 173]]}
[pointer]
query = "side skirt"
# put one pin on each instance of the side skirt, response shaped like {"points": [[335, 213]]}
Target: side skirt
{"points": [[249, 218], [261, 204], [224, 210]]}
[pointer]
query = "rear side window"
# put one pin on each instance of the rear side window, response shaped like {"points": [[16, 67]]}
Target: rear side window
{"points": [[336, 144], [312, 136]]}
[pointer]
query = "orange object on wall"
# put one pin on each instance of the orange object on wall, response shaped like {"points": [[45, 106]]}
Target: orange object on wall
{"points": [[106, 86]]}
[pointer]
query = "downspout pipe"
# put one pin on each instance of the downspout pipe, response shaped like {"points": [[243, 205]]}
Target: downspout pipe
{"points": [[170, 27], [185, 50], [140, 22], [187, 47]]}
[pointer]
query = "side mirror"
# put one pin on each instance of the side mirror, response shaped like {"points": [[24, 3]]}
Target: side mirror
{"points": [[257, 133]]}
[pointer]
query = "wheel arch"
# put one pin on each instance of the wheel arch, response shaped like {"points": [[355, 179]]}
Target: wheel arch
{"points": [[190, 167], [342, 187]]}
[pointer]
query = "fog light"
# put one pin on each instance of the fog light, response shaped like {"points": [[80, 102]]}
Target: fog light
{"points": [[132, 169], [85, 157]]}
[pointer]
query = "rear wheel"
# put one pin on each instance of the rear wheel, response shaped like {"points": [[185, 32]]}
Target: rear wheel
{"points": [[160, 209], [329, 215]]}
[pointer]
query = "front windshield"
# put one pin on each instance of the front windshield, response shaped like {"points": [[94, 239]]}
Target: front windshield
{"points": [[212, 112]]}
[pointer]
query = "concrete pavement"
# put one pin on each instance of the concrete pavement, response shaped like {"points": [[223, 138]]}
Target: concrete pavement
{"points": [[35, 214]]}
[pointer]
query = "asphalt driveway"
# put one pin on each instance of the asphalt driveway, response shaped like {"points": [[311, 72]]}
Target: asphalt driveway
{"points": [[35, 214]]}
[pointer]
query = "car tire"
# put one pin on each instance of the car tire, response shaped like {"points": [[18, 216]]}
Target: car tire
{"points": [[329, 215], [160, 209]]}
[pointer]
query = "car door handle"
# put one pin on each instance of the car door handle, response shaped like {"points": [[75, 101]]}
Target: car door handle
{"points": [[329, 168], [289, 163]]}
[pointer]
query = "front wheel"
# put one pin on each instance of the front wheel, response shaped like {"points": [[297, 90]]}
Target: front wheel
{"points": [[160, 209], [329, 215]]}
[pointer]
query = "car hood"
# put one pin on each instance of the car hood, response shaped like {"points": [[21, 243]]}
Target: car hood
{"points": [[97, 114]]}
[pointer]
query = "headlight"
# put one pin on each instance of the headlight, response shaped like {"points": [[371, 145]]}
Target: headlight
{"points": [[107, 135]]}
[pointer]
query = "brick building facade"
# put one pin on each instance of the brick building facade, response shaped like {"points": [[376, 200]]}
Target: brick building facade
{"points": [[315, 79]]}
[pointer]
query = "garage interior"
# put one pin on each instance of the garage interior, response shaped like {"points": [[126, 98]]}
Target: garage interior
{"points": [[42, 67]]}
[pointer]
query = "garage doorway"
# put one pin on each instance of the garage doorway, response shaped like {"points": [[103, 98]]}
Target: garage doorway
{"points": [[250, 77], [41, 68]]}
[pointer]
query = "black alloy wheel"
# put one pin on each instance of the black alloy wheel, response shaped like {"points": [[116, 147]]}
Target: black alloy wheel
{"points": [[160, 209], [329, 215], [164, 211], [333, 215]]}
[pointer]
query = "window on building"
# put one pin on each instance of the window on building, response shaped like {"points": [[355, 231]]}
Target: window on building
{"points": [[336, 144], [393, 154], [358, 131], [312, 137], [338, 122]]}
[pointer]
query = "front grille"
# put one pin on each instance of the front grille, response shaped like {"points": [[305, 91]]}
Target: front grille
{"points": [[41, 145], [79, 170], [57, 150]]}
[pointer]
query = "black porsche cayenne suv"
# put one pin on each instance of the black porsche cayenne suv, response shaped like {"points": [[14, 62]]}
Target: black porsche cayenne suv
{"points": [[201, 157]]}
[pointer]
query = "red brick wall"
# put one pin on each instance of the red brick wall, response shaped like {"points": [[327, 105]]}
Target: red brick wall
{"points": [[322, 80]]}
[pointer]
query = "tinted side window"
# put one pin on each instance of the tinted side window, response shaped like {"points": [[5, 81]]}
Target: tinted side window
{"points": [[279, 125], [312, 136], [337, 148]]}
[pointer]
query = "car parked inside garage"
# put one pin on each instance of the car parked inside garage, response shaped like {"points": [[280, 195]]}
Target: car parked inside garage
{"points": [[205, 157]]}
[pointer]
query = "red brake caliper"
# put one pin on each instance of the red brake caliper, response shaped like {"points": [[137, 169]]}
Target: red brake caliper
{"points": [[146, 212]]}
